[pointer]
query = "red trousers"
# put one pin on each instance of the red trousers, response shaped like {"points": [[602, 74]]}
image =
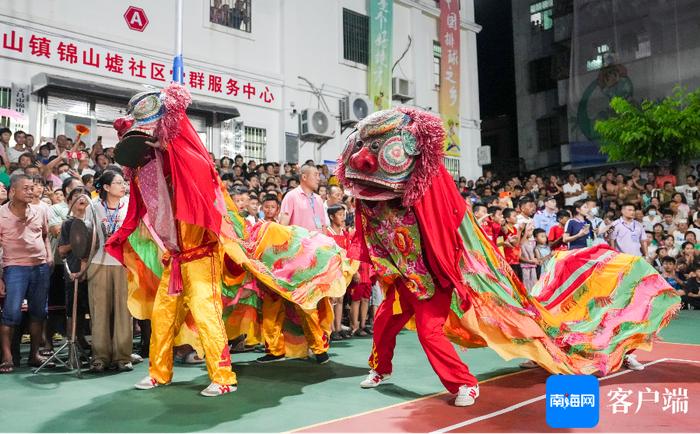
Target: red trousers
{"points": [[430, 318]]}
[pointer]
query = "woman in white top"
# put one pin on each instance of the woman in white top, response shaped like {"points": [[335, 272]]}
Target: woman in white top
{"points": [[112, 332]]}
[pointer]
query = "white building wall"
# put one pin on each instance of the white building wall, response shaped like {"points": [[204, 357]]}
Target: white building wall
{"points": [[289, 38]]}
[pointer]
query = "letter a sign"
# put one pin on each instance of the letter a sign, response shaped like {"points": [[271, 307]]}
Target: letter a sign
{"points": [[136, 18]]}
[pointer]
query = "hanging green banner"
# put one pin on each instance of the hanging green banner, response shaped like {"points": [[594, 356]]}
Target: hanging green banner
{"points": [[381, 17]]}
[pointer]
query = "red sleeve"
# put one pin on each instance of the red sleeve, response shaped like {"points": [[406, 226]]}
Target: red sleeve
{"points": [[358, 247], [440, 211], [115, 244]]}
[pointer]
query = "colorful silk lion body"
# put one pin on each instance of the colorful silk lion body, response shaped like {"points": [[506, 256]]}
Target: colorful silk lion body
{"points": [[590, 308], [195, 269]]}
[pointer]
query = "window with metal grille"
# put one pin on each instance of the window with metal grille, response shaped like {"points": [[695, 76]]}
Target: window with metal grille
{"points": [[292, 147], [541, 15], [5, 93], [235, 14], [255, 144], [355, 37], [452, 166], [437, 55]]}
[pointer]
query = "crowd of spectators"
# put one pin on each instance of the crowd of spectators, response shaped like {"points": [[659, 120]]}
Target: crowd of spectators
{"points": [[231, 13], [646, 212]]}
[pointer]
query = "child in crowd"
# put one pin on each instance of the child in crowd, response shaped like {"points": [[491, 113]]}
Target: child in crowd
{"points": [[691, 298], [240, 198], [543, 253], [253, 210], [493, 224], [512, 237], [360, 293], [669, 273], [670, 244], [342, 237], [556, 233], [270, 208], [577, 232], [528, 261], [656, 260]]}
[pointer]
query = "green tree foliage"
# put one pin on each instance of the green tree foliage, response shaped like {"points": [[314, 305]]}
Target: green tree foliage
{"points": [[653, 131]]}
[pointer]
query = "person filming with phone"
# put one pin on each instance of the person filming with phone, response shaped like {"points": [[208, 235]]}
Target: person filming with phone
{"points": [[578, 232]]}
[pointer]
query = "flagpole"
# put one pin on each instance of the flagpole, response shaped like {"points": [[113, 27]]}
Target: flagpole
{"points": [[177, 60]]}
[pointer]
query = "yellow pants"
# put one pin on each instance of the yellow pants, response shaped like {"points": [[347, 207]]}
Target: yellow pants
{"points": [[273, 317], [201, 296]]}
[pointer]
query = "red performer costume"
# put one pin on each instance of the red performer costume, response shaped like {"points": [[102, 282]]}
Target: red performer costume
{"points": [[435, 263], [402, 191]]}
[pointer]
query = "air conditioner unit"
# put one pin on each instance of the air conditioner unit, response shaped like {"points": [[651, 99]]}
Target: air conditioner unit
{"points": [[402, 89], [316, 126], [354, 108]]}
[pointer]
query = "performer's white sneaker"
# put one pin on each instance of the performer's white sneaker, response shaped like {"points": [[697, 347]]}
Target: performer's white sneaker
{"points": [[632, 363], [374, 379], [147, 383], [215, 389], [467, 396]]}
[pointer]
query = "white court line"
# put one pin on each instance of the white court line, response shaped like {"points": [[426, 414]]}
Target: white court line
{"points": [[541, 397]]}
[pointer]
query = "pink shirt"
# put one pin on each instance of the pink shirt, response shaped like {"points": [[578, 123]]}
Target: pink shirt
{"points": [[303, 210], [23, 239]]}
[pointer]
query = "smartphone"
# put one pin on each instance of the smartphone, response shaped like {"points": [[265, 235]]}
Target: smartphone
{"points": [[99, 138]]}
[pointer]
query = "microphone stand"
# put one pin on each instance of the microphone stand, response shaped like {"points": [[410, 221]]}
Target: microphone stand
{"points": [[76, 354]]}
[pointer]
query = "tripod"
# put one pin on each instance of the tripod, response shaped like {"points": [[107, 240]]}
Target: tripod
{"points": [[83, 240], [75, 354]]}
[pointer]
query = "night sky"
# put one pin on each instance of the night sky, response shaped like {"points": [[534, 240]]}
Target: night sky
{"points": [[495, 57]]}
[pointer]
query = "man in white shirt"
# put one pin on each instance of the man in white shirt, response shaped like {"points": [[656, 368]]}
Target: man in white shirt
{"points": [[20, 148], [628, 235], [573, 191], [689, 190]]}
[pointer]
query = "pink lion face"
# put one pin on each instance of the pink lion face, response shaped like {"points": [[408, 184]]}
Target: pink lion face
{"points": [[392, 153], [380, 155]]}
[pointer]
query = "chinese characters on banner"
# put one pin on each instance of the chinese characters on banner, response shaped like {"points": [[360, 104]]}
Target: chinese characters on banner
{"points": [[449, 74], [20, 101], [32, 46], [381, 18]]}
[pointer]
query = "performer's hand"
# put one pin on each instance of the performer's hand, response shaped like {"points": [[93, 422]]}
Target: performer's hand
{"points": [[155, 144], [2, 288]]}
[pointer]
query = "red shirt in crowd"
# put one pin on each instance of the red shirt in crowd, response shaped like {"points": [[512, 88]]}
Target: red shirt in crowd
{"points": [[512, 254], [342, 239], [556, 233], [492, 230], [661, 180]]}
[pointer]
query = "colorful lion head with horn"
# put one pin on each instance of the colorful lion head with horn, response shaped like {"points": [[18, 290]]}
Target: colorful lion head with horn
{"points": [[392, 153]]}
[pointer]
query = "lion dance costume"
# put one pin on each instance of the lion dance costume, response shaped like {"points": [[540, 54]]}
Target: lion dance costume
{"points": [[590, 308], [195, 269]]}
